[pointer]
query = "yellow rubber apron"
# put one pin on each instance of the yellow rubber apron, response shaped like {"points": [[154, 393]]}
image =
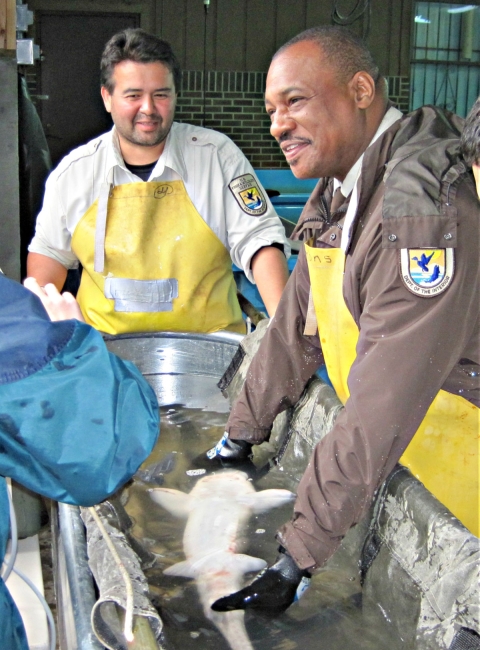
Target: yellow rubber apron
{"points": [[153, 264], [443, 454]]}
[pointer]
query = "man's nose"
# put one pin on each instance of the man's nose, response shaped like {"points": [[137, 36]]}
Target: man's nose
{"points": [[281, 123], [148, 105]]}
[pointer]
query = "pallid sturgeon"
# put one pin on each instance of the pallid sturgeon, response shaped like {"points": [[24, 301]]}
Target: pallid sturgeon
{"points": [[217, 509]]}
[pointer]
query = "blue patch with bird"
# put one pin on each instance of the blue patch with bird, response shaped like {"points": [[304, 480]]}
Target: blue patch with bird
{"points": [[427, 272], [248, 194]]}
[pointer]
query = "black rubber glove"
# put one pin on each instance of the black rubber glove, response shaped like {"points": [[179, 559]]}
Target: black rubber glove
{"points": [[227, 454], [273, 590], [230, 450]]}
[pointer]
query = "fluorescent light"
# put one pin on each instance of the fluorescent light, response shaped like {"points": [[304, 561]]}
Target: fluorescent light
{"points": [[461, 10], [421, 19]]}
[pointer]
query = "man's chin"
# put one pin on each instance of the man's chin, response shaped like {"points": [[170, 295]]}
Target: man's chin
{"points": [[298, 171], [152, 140]]}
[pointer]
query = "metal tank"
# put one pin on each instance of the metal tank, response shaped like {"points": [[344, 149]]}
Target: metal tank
{"points": [[408, 573], [182, 368]]}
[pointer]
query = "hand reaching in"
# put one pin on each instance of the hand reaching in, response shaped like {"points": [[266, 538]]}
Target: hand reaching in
{"points": [[58, 306]]}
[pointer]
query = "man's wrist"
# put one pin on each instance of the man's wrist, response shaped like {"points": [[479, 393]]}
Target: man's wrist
{"points": [[227, 448]]}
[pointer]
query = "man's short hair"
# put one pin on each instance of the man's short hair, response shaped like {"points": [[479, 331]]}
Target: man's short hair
{"points": [[343, 49], [470, 141], [139, 46]]}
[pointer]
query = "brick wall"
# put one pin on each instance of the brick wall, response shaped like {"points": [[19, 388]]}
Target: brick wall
{"points": [[399, 92], [234, 104]]}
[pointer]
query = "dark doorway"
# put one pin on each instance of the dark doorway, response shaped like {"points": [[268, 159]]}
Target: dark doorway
{"points": [[71, 45]]}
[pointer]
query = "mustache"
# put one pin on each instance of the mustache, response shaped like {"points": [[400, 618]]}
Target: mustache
{"points": [[286, 137], [153, 119]]}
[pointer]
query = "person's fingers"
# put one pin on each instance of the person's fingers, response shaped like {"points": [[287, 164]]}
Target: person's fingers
{"points": [[52, 291], [71, 306], [32, 285], [70, 298], [58, 306]]}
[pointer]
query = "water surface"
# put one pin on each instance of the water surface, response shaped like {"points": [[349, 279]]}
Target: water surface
{"points": [[329, 616]]}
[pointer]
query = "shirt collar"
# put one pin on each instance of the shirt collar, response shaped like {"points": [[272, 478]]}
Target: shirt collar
{"points": [[171, 157], [390, 117], [114, 156]]}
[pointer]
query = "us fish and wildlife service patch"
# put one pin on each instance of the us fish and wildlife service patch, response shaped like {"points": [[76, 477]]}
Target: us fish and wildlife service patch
{"points": [[427, 272], [248, 195]]}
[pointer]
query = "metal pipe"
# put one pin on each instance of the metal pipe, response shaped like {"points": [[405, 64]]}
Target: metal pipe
{"points": [[467, 34], [80, 580]]}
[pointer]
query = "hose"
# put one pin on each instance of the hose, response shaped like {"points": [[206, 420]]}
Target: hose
{"points": [[9, 567], [128, 626]]}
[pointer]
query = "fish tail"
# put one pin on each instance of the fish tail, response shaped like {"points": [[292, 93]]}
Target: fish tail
{"points": [[232, 626]]}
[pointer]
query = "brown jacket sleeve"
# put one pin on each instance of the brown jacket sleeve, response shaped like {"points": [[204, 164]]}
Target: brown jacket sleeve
{"points": [[284, 363]]}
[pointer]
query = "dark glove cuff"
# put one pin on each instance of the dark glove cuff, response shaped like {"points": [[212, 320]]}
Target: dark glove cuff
{"points": [[285, 564], [235, 450]]}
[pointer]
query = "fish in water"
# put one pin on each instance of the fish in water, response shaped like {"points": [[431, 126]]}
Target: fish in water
{"points": [[155, 473], [217, 510]]}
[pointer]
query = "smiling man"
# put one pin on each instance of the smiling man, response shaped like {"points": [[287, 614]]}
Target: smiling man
{"points": [[141, 100], [385, 293], [156, 211], [323, 126]]}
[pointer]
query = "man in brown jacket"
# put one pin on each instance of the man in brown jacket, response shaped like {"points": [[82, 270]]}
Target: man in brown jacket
{"points": [[385, 292]]}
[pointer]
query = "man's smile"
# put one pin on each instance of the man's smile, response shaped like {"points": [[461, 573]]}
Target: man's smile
{"points": [[292, 147], [147, 125]]}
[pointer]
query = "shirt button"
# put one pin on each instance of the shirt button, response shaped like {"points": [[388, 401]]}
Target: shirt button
{"points": [[333, 236], [392, 237], [448, 236], [194, 139]]}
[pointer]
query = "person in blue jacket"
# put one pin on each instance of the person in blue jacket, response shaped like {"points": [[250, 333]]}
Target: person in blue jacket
{"points": [[76, 421]]}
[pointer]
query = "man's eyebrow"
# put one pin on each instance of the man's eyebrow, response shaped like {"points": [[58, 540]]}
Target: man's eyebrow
{"points": [[285, 91], [167, 89]]}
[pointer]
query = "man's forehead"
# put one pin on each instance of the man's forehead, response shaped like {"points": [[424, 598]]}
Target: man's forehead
{"points": [[128, 67], [299, 62], [299, 74], [303, 53]]}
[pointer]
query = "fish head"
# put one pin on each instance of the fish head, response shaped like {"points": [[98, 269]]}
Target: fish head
{"points": [[224, 484]]}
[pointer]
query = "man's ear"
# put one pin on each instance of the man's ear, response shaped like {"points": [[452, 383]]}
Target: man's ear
{"points": [[107, 99], [363, 87]]}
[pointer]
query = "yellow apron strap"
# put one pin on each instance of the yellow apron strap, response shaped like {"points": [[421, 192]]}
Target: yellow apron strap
{"points": [[337, 330], [101, 227]]}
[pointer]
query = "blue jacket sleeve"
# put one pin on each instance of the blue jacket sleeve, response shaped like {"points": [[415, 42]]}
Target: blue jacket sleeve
{"points": [[76, 421]]}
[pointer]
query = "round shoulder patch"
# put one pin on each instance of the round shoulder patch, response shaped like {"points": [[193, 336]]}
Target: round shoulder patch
{"points": [[427, 272], [248, 194]]}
